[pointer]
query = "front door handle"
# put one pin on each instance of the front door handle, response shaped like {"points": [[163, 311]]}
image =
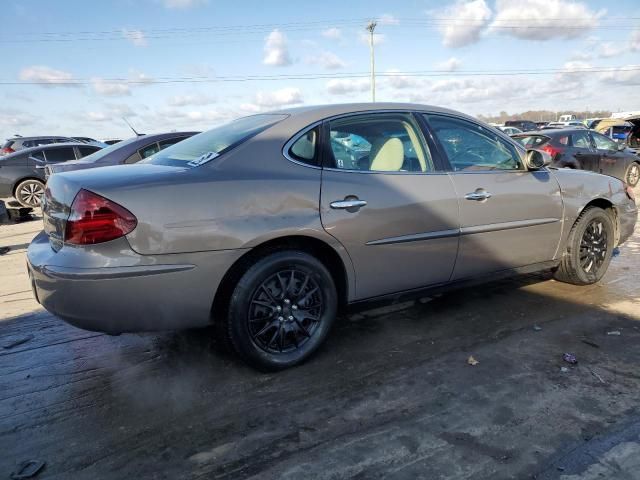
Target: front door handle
{"points": [[350, 204], [479, 195]]}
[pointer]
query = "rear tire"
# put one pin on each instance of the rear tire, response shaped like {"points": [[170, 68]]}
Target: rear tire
{"points": [[28, 192], [589, 248], [281, 310], [633, 174]]}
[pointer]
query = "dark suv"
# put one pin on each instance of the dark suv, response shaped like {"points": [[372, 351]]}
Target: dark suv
{"points": [[22, 172], [18, 143], [586, 150], [524, 125]]}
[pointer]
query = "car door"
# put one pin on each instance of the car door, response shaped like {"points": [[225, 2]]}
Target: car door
{"points": [[384, 199], [611, 160], [582, 149], [509, 217]]}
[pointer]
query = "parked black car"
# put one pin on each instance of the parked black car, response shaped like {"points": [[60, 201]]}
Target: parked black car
{"points": [[524, 125], [128, 151], [586, 150], [22, 172], [18, 143]]}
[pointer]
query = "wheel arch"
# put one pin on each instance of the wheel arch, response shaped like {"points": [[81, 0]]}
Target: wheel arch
{"points": [[607, 206], [320, 249]]}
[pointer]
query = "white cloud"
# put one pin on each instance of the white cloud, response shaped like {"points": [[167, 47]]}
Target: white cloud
{"points": [[610, 49], [378, 38], [450, 65], [10, 118], [140, 78], [626, 75], [98, 117], [276, 51], [544, 19], [463, 22], [387, 19], [332, 33], [192, 99], [634, 40], [46, 76], [136, 37], [327, 60], [110, 88], [346, 86], [274, 100], [582, 56], [184, 3], [398, 81]]}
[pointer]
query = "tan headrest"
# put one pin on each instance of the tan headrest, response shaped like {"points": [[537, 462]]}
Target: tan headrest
{"points": [[389, 157]]}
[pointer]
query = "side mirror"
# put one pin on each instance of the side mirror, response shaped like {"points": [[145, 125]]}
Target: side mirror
{"points": [[537, 159], [621, 147]]}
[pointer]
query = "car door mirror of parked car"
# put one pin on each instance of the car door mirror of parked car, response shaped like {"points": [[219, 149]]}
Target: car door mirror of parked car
{"points": [[621, 147], [537, 159]]}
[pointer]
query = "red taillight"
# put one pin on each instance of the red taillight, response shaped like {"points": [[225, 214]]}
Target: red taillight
{"points": [[553, 151], [7, 150], [95, 219]]}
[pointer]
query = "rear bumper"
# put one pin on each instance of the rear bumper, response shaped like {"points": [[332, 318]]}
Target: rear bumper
{"points": [[133, 293]]}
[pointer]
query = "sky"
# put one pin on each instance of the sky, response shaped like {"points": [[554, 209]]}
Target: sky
{"points": [[74, 67]]}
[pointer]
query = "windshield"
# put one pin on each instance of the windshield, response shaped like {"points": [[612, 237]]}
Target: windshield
{"points": [[100, 154], [206, 146]]}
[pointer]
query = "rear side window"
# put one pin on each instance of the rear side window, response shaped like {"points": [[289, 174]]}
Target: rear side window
{"points": [[149, 150], [531, 141], [580, 140], [56, 155], [379, 142], [170, 141], [304, 149], [84, 151], [206, 146]]}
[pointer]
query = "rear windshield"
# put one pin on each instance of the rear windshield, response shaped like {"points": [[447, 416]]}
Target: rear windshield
{"points": [[7, 144], [206, 146], [531, 141], [100, 154]]}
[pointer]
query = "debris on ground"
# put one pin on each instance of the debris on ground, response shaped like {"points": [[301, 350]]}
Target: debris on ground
{"points": [[4, 250], [17, 341], [614, 332], [537, 328], [615, 252], [570, 358], [28, 469], [597, 376], [472, 361], [586, 341], [564, 369]]}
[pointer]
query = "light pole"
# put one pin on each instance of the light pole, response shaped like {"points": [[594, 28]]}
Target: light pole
{"points": [[371, 27]]}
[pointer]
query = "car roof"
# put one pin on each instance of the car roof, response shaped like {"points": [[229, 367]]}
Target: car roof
{"points": [[39, 137], [51, 146], [313, 113]]}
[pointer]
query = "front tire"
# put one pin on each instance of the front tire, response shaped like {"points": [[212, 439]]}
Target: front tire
{"points": [[28, 192], [633, 174], [589, 248], [281, 310]]}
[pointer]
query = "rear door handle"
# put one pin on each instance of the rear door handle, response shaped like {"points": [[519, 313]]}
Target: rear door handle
{"points": [[349, 204], [479, 195]]}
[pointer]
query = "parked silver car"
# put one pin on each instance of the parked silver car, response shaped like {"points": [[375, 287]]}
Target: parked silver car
{"points": [[268, 225]]}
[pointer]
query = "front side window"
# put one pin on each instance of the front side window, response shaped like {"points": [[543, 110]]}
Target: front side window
{"points": [[56, 155], [382, 142], [603, 143], [470, 146], [206, 146]]}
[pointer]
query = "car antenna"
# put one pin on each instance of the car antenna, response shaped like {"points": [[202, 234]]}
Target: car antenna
{"points": [[134, 130]]}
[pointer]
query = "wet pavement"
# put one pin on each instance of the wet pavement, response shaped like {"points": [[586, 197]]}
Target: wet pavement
{"points": [[390, 395]]}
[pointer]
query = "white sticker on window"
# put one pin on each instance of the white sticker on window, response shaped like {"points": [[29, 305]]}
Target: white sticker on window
{"points": [[204, 158]]}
